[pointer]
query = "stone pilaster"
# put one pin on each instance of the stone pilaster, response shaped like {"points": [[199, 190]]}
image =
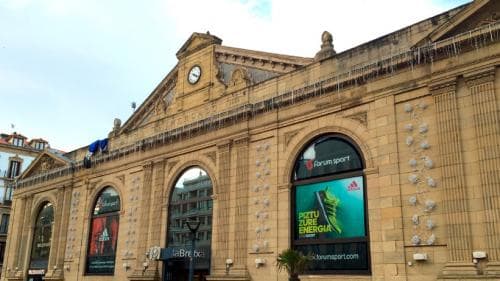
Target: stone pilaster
{"points": [[59, 228], [222, 197], [19, 215], [157, 200], [453, 181], [241, 209], [487, 129], [141, 273], [26, 238], [156, 208]]}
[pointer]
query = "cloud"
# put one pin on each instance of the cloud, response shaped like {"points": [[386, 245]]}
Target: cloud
{"points": [[295, 27]]}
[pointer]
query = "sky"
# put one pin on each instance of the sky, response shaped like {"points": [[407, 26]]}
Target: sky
{"points": [[69, 67]]}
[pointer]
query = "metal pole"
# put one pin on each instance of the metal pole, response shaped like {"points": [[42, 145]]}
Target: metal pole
{"points": [[193, 228], [191, 257]]}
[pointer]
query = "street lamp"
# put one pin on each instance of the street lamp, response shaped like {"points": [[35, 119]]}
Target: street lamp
{"points": [[193, 228]]}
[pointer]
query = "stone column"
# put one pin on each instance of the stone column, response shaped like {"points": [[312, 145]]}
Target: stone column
{"points": [[453, 181], [487, 128], [241, 208]]}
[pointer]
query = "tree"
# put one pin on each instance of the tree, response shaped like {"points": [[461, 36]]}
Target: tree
{"points": [[294, 262]]}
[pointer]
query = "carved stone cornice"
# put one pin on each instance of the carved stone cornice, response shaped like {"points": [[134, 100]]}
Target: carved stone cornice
{"points": [[148, 165], [243, 140], [224, 145], [480, 77], [443, 86]]}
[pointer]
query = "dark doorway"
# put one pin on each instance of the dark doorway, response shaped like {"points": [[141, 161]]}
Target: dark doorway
{"points": [[36, 277], [177, 269]]}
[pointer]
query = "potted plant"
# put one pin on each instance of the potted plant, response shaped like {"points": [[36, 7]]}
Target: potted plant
{"points": [[294, 262]]}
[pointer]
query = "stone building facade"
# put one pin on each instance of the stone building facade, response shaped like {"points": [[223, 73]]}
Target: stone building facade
{"points": [[382, 161]]}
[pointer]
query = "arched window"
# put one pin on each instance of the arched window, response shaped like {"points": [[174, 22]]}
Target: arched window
{"points": [[41, 238], [103, 233], [329, 206], [190, 203]]}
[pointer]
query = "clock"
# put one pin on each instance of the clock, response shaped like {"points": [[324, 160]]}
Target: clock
{"points": [[194, 74]]}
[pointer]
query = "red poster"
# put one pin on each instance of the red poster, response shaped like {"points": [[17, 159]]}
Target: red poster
{"points": [[104, 236]]}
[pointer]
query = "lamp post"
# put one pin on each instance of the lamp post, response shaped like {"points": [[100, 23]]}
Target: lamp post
{"points": [[193, 228]]}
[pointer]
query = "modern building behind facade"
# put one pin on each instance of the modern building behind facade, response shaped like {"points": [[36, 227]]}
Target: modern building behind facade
{"points": [[16, 154], [380, 161]]}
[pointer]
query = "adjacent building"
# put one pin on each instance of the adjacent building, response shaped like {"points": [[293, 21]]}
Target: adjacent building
{"points": [[380, 161], [16, 154]]}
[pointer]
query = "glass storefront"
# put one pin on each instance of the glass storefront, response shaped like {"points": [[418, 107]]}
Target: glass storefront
{"points": [[190, 202]]}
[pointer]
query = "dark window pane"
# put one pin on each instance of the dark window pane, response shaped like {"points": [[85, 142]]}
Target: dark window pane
{"points": [[327, 155], [4, 224], [42, 237], [103, 235], [107, 202]]}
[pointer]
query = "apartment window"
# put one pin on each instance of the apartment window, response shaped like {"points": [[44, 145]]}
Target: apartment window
{"points": [[14, 168], [4, 224], [8, 192], [39, 145], [2, 251], [18, 142]]}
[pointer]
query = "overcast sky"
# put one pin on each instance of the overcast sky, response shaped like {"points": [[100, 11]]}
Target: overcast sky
{"points": [[69, 67]]}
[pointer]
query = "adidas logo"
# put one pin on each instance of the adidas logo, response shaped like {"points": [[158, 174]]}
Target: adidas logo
{"points": [[353, 186], [104, 236]]}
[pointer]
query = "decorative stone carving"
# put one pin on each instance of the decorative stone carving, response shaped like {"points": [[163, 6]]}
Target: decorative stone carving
{"points": [[239, 79], [415, 240], [327, 49], [420, 163], [361, 117], [290, 135], [212, 155]]}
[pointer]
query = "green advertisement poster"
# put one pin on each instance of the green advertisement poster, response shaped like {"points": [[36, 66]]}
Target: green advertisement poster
{"points": [[331, 209]]}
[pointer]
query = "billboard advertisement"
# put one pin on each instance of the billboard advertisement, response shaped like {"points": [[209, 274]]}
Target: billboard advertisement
{"points": [[101, 257], [329, 210], [326, 156]]}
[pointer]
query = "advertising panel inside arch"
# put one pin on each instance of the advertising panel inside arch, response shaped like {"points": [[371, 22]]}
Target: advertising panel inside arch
{"points": [[330, 219]]}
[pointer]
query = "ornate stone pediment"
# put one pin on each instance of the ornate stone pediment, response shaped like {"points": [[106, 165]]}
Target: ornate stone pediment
{"points": [[45, 162], [196, 42]]}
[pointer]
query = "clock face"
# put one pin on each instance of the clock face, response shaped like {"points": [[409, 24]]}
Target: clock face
{"points": [[194, 74]]}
